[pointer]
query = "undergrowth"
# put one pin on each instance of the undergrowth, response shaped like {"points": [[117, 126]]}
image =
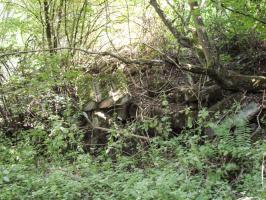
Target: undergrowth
{"points": [[188, 166]]}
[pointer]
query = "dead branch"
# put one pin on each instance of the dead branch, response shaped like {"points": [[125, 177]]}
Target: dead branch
{"points": [[227, 79], [104, 53]]}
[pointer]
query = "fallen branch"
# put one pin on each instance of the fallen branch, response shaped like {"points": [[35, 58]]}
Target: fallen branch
{"points": [[104, 53], [227, 79], [110, 130]]}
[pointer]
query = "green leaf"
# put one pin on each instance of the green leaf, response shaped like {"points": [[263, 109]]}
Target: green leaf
{"points": [[6, 179]]}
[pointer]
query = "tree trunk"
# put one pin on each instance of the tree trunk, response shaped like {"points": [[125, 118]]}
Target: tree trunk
{"points": [[227, 79]]}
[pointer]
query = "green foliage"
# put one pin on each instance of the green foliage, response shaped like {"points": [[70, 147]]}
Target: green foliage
{"points": [[184, 167], [234, 25], [41, 132], [44, 158]]}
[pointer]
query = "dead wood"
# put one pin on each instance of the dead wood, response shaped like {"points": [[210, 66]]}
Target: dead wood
{"points": [[227, 79], [225, 103]]}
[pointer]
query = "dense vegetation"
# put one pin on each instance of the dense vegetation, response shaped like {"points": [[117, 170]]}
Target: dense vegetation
{"points": [[132, 99]]}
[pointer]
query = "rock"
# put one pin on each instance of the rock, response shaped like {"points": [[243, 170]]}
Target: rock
{"points": [[248, 112]]}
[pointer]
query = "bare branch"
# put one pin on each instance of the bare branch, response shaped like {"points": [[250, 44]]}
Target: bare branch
{"points": [[184, 41], [104, 53]]}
